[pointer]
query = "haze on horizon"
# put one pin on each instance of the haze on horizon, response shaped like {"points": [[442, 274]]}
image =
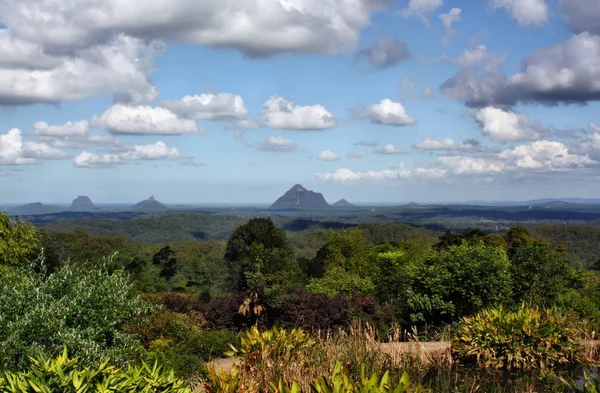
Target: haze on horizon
{"points": [[370, 100]]}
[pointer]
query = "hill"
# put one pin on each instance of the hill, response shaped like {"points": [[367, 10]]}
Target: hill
{"points": [[299, 197], [83, 203], [32, 209], [343, 203], [150, 204]]}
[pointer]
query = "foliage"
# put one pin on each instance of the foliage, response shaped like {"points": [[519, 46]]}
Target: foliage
{"points": [[19, 241], [539, 273], [340, 383], [181, 341], [65, 375], [221, 381], [265, 355], [82, 307], [522, 339], [260, 247], [459, 281], [336, 280], [591, 385]]}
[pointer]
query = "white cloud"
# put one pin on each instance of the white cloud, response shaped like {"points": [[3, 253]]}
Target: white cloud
{"points": [[478, 56], [389, 113], [120, 66], [594, 127], [448, 20], [530, 13], [390, 149], [223, 106], [472, 165], [327, 155], [257, 28], [347, 175], [544, 155], [79, 128], [354, 154], [449, 145], [502, 125], [157, 151], [11, 149], [144, 120], [421, 9], [38, 150], [278, 144], [86, 159], [278, 112]]}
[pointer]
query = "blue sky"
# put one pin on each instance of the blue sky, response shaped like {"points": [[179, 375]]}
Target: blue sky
{"points": [[369, 100]]}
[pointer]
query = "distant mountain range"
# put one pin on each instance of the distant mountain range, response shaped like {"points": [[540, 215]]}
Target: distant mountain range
{"points": [[299, 197], [83, 204], [32, 209], [150, 205], [343, 203]]}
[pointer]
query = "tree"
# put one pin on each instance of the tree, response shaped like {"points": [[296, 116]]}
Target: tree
{"points": [[19, 241], [165, 258], [459, 282], [260, 247], [540, 274]]}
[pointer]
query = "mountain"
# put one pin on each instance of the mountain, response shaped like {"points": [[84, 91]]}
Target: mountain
{"points": [[343, 203], [32, 209], [150, 204], [83, 204], [301, 198]]}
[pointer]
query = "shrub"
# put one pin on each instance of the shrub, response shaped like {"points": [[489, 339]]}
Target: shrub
{"points": [[81, 307], [182, 341], [178, 302], [523, 339], [64, 375], [223, 313]]}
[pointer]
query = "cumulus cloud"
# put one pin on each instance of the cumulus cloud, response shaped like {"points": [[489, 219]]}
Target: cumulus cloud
{"points": [[564, 73], [449, 145], [544, 155], [505, 126], [257, 28], [278, 112], [421, 9], [157, 151], [354, 154], [387, 112], [390, 149], [530, 13], [86, 159], [476, 57], [12, 149], [278, 144], [327, 155], [39, 150], [472, 165], [120, 66], [581, 15], [223, 106], [448, 19], [344, 175], [385, 52], [78, 128], [144, 120]]}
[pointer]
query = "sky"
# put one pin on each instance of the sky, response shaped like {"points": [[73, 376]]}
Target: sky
{"points": [[235, 101]]}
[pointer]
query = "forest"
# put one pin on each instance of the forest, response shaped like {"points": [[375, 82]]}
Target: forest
{"points": [[175, 292]]}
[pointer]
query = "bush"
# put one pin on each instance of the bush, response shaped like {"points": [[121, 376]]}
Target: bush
{"points": [[177, 302], [182, 341], [80, 307], [64, 375], [223, 313], [523, 339]]}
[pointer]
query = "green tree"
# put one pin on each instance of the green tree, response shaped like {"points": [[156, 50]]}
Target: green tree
{"points": [[540, 274], [260, 247], [458, 282], [165, 258], [19, 241]]}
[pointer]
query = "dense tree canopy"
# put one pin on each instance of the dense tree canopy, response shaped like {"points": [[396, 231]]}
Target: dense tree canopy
{"points": [[19, 241]]}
